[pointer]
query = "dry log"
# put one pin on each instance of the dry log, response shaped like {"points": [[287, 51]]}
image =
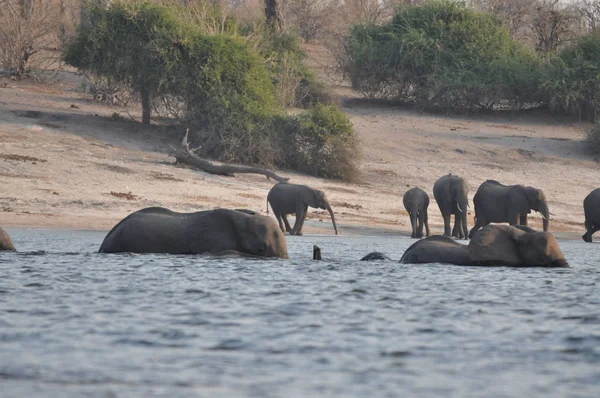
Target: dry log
{"points": [[188, 157]]}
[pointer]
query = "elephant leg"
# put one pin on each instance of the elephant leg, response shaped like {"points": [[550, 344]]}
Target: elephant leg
{"points": [[299, 232], [523, 219], [591, 229], [413, 225], [426, 222], [279, 216], [446, 217], [513, 218], [287, 224], [456, 229], [479, 223], [300, 215], [420, 225]]}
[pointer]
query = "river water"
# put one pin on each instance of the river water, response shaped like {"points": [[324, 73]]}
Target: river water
{"points": [[74, 323]]}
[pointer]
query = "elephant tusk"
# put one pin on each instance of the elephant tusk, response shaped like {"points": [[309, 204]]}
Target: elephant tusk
{"points": [[544, 217], [458, 205]]}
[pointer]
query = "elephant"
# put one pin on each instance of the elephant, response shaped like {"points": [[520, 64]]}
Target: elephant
{"points": [[6, 243], [375, 256], [498, 203], [591, 207], [492, 245], [450, 193], [288, 198], [416, 202], [160, 230]]}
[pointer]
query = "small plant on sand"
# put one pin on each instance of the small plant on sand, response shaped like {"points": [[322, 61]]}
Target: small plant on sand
{"points": [[320, 142]]}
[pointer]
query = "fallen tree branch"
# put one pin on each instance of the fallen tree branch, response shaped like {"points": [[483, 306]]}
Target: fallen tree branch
{"points": [[188, 157]]}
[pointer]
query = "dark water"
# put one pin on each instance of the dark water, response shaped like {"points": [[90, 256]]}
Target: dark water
{"points": [[75, 323]]}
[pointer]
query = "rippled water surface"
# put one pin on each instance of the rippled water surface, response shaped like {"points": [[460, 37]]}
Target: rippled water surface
{"points": [[77, 323]]}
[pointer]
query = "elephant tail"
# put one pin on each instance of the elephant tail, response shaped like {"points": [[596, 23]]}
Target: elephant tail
{"points": [[267, 206]]}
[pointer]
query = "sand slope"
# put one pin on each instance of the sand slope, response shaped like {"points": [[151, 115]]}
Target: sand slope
{"points": [[65, 163]]}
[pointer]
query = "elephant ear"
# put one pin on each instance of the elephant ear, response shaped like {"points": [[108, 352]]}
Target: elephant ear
{"points": [[518, 199], [248, 231], [309, 197], [496, 245]]}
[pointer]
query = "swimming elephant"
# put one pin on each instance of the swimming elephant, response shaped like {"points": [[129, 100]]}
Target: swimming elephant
{"points": [[492, 245], [498, 203], [450, 193], [6, 243], [288, 198], [416, 202], [375, 256], [160, 230], [591, 207]]}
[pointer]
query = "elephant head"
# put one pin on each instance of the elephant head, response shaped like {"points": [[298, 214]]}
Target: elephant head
{"points": [[458, 192], [506, 245], [525, 199], [261, 236], [317, 199]]}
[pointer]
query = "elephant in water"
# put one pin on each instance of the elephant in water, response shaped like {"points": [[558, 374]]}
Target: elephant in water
{"points": [[160, 230], [591, 207], [450, 193], [375, 256], [495, 202], [288, 198], [6, 243], [416, 202], [492, 245]]}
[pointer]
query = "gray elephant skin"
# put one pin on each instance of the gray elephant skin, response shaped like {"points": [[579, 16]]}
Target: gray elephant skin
{"points": [[160, 230], [6, 243], [286, 198], [498, 203], [492, 245], [591, 207], [450, 193], [416, 202]]}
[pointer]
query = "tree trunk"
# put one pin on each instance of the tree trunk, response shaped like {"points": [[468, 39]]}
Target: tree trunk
{"points": [[146, 106], [273, 15], [188, 157]]}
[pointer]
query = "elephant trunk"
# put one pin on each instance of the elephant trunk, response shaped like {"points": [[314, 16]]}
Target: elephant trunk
{"points": [[328, 208]]}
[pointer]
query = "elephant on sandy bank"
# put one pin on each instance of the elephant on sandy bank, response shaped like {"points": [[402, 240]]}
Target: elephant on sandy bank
{"points": [[450, 193], [6, 243], [498, 203], [288, 198], [492, 245], [160, 230], [591, 207], [416, 202]]}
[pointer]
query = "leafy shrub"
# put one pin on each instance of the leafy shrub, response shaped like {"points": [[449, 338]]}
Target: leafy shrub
{"points": [[217, 84], [320, 142], [441, 55], [572, 80], [228, 97]]}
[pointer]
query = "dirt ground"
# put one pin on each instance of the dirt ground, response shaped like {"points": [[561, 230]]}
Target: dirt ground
{"points": [[68, 162]]}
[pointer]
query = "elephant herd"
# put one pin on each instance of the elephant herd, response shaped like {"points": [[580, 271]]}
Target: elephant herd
{"points": [[244, 232]]}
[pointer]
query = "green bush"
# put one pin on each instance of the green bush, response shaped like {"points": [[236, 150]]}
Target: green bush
{"points": [[228, 97], [320, 142], [572, 79], [441, 55]]}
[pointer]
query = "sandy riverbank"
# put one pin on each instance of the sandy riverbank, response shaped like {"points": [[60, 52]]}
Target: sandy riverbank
{"points": [[65, 163]]}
